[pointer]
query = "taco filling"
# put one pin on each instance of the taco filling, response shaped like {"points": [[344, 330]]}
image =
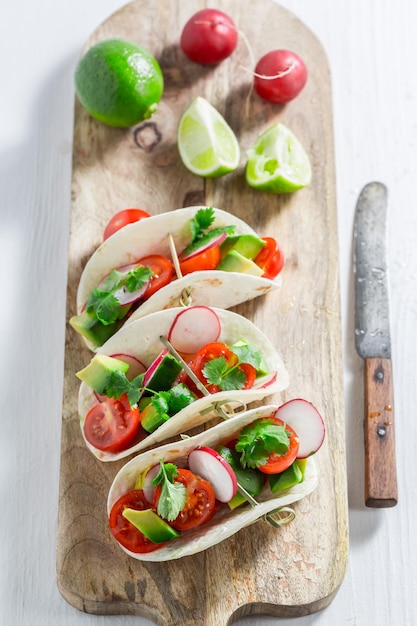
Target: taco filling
{"points": [[197, 367], [119, 293], [182, 498]]}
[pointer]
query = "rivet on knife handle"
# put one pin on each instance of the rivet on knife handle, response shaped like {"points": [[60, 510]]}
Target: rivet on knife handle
{"points": [[380, 466]]}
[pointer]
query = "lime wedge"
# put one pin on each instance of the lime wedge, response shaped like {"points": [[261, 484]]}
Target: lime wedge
{"points": [[278, 162], [207, 145]]}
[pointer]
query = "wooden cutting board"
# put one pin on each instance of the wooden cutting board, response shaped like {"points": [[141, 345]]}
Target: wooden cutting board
{"points": [[289, 572]]}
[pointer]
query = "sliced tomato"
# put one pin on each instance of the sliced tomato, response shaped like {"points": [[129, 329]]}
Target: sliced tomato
{"points": [[270, 258], [124, 531], [112, 425], [210, 351], [163, 272], [120, 219], [207, 353], [206, 260], [278, 463], [250, 373], [200, 504]]}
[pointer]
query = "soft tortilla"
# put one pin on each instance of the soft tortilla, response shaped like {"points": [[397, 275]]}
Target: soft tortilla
{"points": [[226, 522], [141, 340], [151, 236]]}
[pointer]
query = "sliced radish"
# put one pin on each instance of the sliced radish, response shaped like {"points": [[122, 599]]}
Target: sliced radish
{"points": [[265, 381], [136, 367], [123, 295], [148, 487], [153, 367], [205, 244], [210, 465], [193, 328], [307, 422]]}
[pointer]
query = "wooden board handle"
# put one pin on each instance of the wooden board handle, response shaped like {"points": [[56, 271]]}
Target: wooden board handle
{"points": [[380, 464]]}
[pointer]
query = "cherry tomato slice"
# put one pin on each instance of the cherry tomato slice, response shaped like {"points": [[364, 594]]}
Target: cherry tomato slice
{"points": [[120, 219], [112, 425], [124, 531], [278, 463], [209, 352], [162, 269], [206, 260], [200, 504], [270, 258]]}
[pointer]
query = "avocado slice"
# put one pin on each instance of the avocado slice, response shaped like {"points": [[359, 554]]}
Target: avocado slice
{"points": [[288, 478], [92, 329], [236, 262], [247, 245], [151, 525], [96, 374]]}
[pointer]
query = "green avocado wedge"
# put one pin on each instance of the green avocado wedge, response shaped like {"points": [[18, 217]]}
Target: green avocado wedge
{"points": [[96, 374], [247, 245], [151, 525]]}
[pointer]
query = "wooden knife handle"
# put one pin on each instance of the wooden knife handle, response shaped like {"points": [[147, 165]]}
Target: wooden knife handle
{"points": [[380, 463]]}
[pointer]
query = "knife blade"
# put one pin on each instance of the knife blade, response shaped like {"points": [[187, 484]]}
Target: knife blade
{"points": [[373, 344]]}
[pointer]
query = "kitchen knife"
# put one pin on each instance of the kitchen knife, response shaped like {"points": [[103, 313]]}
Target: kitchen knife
{"points": [[373, 344]]}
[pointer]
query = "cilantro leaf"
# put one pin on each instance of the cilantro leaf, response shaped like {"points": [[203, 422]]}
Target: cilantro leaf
{"points": [[257, 441], [104, 305], [112, 281], [160, 403], [173, 494], [178, 397], [103, 301], [201, 221], [200, 225], [217, 372], [137, 278], [247, 353], [118, 385]]}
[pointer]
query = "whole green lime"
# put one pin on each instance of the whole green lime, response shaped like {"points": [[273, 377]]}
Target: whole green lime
{"points": [[119, 83]]}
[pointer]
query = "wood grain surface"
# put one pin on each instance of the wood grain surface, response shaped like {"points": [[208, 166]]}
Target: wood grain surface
{"points": [[298, 569]]}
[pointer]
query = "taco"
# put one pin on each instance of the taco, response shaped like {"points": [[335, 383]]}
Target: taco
{"points": [[171, 371], [194, 255], [179, 499]]}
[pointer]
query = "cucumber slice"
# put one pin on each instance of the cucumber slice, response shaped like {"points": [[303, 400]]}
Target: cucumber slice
{"points": [[164, 374], [250, 479], [286, 479]]}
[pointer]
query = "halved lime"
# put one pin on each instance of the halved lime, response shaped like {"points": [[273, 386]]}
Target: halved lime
{"points": [[278, 162], [207, 145]]}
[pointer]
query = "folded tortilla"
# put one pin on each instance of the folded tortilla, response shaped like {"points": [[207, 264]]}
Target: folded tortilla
{"points": [[151, 236], [225, 522], [140, 339]]}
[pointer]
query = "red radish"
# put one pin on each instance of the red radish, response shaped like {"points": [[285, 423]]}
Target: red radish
{"points": [[148, 487], [307, 422], [123, 295], [153, 367], [280, 75], [136, 367], [193, 328], [207, 244], [209, 37], [265, 381], [210, 465]]}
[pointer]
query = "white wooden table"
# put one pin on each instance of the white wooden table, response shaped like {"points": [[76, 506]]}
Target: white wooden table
{"points": [[372, 55]]}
